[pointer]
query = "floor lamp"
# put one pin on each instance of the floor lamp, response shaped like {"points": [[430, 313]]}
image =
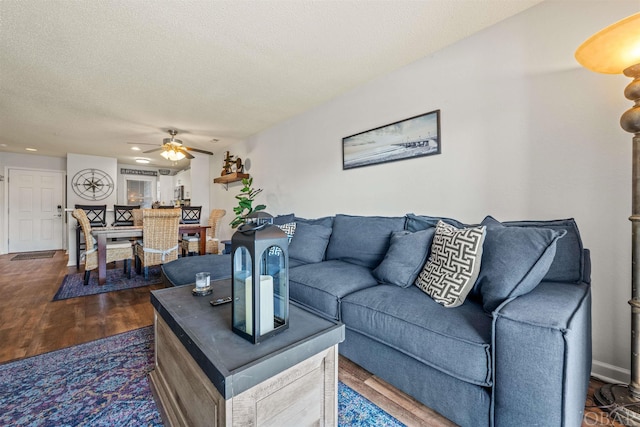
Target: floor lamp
{"points": [[615, 50]]}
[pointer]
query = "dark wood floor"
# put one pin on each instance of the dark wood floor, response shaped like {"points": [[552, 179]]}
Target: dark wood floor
{"points": [[30, 324]]}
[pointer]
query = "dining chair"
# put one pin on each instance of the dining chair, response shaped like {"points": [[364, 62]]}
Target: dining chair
{"points": [[116, 251], [123, 215], [136, 215], [191, 244], [191, 214], [96, 214], [159, 242], [97, 217]]}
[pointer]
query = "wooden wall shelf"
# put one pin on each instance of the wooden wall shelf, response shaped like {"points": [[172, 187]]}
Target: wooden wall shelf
{"points": [[232, 177]]}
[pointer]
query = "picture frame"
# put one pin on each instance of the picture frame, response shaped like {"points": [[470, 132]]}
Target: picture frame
{"points": [[416, 136]]}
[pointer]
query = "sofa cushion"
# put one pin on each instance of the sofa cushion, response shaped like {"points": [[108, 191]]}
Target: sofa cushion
{"points": [[453, 265], [456, 342], [182, 271], [362, 240], [309, 242], [568, 264], [405, 258], [321, 286], [514, 261], [327, 221], [283, 219], [295, 263], [422, 222]]}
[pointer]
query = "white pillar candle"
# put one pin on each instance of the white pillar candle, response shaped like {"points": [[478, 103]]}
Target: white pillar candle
{"points": [[266, 305]]}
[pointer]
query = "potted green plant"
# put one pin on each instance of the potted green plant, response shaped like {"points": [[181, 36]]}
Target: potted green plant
{"points": [[245, 202]]}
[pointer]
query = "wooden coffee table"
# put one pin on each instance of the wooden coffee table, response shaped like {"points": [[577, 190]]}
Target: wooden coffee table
{"points": [[205, 375]]}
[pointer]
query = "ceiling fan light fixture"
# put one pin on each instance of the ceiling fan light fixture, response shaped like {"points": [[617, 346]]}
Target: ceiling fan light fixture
{"points": [[173, 155]]}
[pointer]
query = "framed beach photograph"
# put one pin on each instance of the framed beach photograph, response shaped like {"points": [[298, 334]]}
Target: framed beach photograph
{"points": [[413, 137]]}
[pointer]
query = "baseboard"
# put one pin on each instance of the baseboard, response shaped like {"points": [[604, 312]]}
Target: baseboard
{"points": [[610, 373]]}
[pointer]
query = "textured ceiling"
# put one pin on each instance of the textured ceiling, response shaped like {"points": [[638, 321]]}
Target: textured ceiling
{"points": [[91, 76]]}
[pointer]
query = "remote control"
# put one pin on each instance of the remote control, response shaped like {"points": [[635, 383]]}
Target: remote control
{"points": [[220, 301]]}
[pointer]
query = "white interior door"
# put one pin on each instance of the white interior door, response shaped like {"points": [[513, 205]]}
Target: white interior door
{"points": [[35, 210]]}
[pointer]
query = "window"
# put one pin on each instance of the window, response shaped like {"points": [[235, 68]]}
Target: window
{"points": [[139, 193]]}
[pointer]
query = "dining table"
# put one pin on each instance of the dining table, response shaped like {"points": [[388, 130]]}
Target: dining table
{"points": [[102, 234]]}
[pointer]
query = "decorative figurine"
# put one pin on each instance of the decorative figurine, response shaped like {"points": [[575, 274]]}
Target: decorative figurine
{"points": [[229, 163]]}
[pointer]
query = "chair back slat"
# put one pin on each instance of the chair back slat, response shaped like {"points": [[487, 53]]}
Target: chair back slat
{"points": [[123, 214], [191, 214], [96, 214]]}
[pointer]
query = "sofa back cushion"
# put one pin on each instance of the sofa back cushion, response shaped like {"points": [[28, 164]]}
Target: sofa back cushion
{"points": [[326, 221], [569, 262], [422, 222], [362, 240], [283, 219]]}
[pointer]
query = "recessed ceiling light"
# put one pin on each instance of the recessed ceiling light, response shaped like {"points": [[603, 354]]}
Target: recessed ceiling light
{"points": [[136, 148], [143, 161], [3, 145], [31, 149]]}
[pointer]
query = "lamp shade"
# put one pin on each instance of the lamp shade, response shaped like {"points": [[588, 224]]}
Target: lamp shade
{"points": [[612, 49]]}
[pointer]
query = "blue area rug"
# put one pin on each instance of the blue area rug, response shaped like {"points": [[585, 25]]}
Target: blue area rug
{"points": [[356, 410], [100, 383], [73, 284], [104, 383]]}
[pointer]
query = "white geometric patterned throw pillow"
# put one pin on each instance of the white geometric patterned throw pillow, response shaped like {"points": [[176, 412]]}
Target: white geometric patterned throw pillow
{"points": [[453, 265], [289, 229]]}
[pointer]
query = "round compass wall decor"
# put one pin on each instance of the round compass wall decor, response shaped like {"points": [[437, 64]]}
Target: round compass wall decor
{"points": [[92, 184]]}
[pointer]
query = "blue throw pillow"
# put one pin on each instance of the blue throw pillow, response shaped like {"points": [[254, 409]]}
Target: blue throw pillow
{"points": [[514, 261], [309, 243], [568, 264], [405, 258], [422, 222]]}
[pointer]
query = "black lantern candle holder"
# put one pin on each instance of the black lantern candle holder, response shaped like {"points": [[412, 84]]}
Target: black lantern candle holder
{"points": [[260, 278]]}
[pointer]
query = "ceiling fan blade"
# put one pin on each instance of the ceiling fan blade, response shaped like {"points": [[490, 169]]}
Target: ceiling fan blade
{"points": [[197, 150], [155, 149], [185, 152]]}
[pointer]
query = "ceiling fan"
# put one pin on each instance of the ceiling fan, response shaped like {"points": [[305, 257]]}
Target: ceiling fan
{"points": [[172, 148]]}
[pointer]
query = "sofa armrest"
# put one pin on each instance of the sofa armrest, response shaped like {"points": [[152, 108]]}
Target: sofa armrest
{"points": [[542, 356]]}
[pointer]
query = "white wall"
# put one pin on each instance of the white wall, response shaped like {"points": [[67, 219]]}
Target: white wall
{"points": [[75, 164], [200, 181], [526, 134]]}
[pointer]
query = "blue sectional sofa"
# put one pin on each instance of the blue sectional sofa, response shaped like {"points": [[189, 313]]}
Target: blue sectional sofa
{"points": [[516, 351]]}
